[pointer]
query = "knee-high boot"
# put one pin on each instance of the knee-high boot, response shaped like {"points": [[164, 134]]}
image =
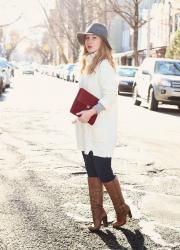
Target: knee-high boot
{"points": [[96, 199], [122, 209]]}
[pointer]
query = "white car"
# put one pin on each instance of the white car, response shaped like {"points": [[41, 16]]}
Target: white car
{"points": [[157, 81], [28, 69]]}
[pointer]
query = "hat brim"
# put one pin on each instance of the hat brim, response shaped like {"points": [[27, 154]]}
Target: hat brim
{"points": [[81, 38]]}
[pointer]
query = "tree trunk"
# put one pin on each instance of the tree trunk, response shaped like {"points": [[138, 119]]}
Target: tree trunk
{"points": [[135, 47], [135, 37], [82, 10]]}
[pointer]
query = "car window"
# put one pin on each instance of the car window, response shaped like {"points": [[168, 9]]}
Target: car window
{"points": [[70, 66], [126, 72], [168, 68]]}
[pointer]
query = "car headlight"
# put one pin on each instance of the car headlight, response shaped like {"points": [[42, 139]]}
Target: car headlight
{"points": [[165, 83]]}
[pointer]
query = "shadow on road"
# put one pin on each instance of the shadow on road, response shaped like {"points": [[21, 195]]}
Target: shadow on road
{"points": [[2, 97], [110, 239], [165, 111], [136, 240], [169, 111]]}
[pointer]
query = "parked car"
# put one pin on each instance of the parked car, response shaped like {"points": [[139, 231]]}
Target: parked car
{"points": [[5, 69], [74, 73], [51, 70], [28, 69], [157, 81], [2, 85], [77, 73], [67, 69], [59, 70], [125, 77], [11, 69]]}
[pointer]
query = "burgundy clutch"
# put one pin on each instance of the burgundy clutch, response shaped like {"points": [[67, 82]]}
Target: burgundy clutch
{"points": [[84, 101]]}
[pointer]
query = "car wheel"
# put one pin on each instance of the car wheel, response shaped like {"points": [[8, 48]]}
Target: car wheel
{"points": [[152, 102], [1, 86], [135, 97]]}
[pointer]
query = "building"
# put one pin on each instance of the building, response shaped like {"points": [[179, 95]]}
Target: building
{"points": [[175, 16], [121, 36], [165, 21], [162, 21]]}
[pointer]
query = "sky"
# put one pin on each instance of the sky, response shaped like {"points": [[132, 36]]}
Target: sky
{"points": [[30, 9], [31, 15]]}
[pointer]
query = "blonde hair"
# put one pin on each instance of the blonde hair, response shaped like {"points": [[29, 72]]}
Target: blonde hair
{"points": [[104, 52]]}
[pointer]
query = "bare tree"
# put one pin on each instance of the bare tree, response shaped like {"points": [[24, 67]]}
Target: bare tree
{"points": [[129, 11], [53, 32], [74, 16], [39, 52], [15, 39], [67, 18], [14, 21]]}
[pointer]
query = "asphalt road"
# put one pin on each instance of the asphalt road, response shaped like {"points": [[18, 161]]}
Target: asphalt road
{"points": [[44, 201]]}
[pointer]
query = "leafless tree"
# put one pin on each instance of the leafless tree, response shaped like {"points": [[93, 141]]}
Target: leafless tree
{"points": [[67, 18], [50, 21], [38, 52], [15, 39], [14, 21], [76, 15], [129, 11]]}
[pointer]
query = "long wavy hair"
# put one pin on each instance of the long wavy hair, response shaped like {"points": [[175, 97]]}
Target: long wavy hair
{"points": [[104, 52]]}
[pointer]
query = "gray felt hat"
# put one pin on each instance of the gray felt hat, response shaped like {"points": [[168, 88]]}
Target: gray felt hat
{"points": [[97, 29]]}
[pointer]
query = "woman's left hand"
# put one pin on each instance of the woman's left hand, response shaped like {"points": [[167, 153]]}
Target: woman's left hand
{"points": [[85, 115]]}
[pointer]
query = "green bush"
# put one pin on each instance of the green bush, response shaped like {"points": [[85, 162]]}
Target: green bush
{"points": [[173, 51]]}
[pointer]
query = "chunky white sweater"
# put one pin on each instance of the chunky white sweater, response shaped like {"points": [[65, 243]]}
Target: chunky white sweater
{"points": [[100, 137]]}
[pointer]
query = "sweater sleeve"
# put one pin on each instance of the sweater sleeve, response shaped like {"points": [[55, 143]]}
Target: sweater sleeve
{"points": [[98, 107], [108, 84]]}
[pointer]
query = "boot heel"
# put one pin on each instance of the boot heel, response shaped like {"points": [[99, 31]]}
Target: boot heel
{"points": [[105, 221]]}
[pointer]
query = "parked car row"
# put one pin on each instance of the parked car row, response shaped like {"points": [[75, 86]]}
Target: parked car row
{"points": [[68, 72], [6, 72], [155, 81]]}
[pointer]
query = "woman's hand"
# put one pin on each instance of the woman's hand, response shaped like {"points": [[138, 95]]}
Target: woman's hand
{"points": [[85, 115]]}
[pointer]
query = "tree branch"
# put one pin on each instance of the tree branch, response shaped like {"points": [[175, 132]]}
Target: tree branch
{"points": [[16, 20]]}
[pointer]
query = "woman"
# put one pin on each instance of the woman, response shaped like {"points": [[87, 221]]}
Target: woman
{"points": [[98, 141]]}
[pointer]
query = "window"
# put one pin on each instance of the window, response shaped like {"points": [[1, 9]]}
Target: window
{"points": [[168, 68], [177, 22], [129, 72]]}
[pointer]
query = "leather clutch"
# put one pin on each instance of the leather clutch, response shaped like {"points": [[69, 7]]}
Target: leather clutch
{"points": [[84, 101]]}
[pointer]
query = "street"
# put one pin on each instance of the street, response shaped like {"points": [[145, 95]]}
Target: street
{"points": [[44, 202]]}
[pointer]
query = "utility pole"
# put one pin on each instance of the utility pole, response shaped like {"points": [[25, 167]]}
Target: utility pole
{"points": [[169, 22]]}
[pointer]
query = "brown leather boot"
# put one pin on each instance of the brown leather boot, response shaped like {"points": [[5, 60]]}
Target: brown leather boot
{"points": [[96, 199], [122, 209]]}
